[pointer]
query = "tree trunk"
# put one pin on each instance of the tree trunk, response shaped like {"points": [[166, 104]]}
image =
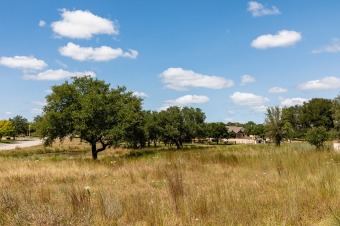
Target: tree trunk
{"points": [[178, 144], [154, 143], [94, 151]]}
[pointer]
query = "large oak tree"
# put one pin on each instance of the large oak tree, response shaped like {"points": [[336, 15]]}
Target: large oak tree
{"points": [[88, 108]]}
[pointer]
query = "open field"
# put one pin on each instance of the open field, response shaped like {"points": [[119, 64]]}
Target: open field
{"points": [[223, 185]]}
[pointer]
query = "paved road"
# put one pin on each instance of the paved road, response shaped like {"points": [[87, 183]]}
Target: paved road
{"points": [[21, 144]]}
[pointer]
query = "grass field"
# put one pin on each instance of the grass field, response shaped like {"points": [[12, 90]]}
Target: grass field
{"points": [[221, 185]]}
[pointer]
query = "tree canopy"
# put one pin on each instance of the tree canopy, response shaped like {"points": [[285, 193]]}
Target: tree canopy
{"points": [[90, 109], [20, 125], [6, 128], [217, 130], [317, 112], [179, 124]]}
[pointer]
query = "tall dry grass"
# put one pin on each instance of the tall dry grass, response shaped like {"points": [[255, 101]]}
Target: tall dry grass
{"points": [[225, 185]]}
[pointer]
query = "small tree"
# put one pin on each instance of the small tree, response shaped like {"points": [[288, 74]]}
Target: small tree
{"points": [[6, 128], [179, 124], [20, 125], [317, 136], [152, 127], [274, 124], [216, 130]]}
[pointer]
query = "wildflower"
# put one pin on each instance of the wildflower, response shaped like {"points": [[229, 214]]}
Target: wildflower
{"points": [[87, 189]]}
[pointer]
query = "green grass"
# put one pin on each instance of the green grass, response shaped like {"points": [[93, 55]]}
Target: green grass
{"points": [[7, 141], [207, 185]]}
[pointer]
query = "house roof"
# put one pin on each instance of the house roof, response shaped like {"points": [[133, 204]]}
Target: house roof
{"points": [[235, 129]]}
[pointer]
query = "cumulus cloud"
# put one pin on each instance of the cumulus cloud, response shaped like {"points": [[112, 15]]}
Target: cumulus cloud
{"points": [[103, 53], [185, 101], [180, 79], [283, 38], [42, 23], [246, 79], [326, 83], [277, 90], [83, 25], [293, 101], [257, 9], [251, 100], [140, 94], [334, 47], [23, 62], [54, 75], [8, 113]]}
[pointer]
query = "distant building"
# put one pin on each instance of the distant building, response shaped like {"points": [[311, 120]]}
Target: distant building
{"points": [[239, 131]]}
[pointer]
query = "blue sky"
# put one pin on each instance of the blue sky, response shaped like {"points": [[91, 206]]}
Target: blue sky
{"points": [[232, 59]]}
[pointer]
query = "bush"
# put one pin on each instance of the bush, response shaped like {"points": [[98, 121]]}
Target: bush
{"points": [[317, 136]]}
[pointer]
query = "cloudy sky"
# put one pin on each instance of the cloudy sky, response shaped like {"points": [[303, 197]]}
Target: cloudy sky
{"points": [[230, 58]]}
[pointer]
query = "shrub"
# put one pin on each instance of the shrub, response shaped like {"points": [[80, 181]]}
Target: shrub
{"points": [[317, 136]]}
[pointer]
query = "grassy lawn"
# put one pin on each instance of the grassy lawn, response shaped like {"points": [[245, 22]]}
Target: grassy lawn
{"points": [[216, 185]]}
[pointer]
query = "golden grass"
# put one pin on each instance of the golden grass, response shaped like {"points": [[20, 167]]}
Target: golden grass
{"points": [[225, 185]]}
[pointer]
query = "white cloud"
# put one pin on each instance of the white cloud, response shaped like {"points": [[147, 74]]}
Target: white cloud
{"points": [[322, 84], [83, 25], [246, 79], [39, 103], [42, 23], [229, 120], [231, 112], [293, 101], [9, 113], [61, 64], [54, 75], [36, 111], [251, 100], [23, 62], [283, 38], [332, 48], [103, 53], [277, 90], [185, 101], [257, 9], [140, 94], [180, 79]]}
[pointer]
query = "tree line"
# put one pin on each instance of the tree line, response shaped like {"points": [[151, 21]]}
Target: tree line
{"points": [[104, 117], [315, 121]]}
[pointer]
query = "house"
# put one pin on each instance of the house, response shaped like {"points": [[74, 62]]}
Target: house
{"points": [[239, 131]]}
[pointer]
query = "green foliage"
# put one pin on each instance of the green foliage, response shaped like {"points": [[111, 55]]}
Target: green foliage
{"points": [[179, 124], [317, 136], [6, 128], [336, 115], [274, 124], [251, 128], [216, 130], [20, 125], [317, 112], [152, 127], [292, 122], [88, 108]]}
